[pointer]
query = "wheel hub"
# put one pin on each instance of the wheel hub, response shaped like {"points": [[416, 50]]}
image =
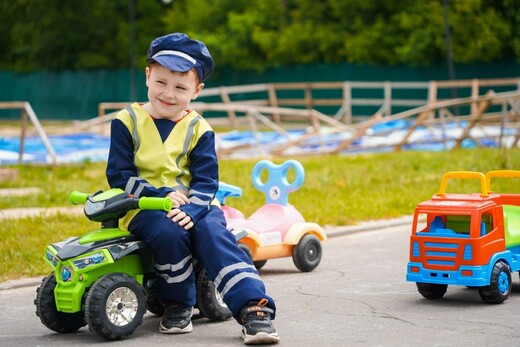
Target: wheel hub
{"points": [[121, 306]]}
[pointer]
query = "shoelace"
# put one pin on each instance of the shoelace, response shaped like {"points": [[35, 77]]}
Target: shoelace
{"points": [[258, 312]]}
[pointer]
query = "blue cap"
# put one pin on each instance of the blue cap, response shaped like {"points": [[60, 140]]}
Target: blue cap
{"points": [[178, 52]]}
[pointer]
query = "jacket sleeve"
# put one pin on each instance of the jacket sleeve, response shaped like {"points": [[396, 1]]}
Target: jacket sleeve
{"points": [[121, 171], [204, 173]]}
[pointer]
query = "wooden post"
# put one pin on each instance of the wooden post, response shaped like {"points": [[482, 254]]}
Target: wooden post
{"points": [[308, 96], [273, 102], [347, 102], [32, 116], [432, 96], [387, 103], [23, 132], [419, 120], [474, 119], [474, 95], [231, 114]]}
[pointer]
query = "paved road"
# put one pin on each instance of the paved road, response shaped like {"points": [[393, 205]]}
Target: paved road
{"points": [[358, 296]]}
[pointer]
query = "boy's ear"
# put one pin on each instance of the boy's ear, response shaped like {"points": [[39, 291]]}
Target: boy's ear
{"points": [[197, 91], [147, 71]]}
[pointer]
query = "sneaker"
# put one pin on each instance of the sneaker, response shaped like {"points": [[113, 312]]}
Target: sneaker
{"points": [[176, 320], [256, 324]]}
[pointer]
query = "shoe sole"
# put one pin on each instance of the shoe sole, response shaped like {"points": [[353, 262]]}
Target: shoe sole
{"points": [[176, 330], [260, 338]]}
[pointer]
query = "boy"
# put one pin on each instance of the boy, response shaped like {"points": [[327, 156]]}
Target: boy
{"points": [[162, 148]]}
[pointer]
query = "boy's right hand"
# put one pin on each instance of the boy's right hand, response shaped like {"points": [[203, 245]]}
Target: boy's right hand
{"points": [[178, 198]]}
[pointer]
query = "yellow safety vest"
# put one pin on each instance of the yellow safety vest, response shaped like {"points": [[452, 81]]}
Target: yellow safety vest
{"points": [[162, 164]]}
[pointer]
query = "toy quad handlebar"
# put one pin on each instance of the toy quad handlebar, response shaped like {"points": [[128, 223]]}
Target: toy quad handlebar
{"points": [[143, 203], [78, 198], [114, 203]]}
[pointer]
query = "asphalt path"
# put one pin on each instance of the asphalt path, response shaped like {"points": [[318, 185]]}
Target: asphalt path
{"points": [[358, 296]]}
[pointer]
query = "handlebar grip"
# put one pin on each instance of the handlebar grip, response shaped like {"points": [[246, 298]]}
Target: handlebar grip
{"points": [[147, 203], [78, 198]]}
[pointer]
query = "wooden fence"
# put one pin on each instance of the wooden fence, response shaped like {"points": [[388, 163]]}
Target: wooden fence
{"points": [[347, 96], [276, 113], [268, 106], [27, 112]]}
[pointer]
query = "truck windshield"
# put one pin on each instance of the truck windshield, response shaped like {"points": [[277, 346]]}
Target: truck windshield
{"points": [[446, 225], [453, 225]]}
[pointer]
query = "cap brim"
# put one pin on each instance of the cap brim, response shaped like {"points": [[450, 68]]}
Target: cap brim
{"points": [[173, 62]]}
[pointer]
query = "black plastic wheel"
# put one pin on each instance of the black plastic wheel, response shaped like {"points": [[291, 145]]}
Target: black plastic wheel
{"points": [[209, 301], [307, 253], [500, 286], [432, 291], [115, 306], [259, 263], [60, 322]]}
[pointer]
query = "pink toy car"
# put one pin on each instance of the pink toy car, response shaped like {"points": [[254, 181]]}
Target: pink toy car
{"points": [[276, 229]]}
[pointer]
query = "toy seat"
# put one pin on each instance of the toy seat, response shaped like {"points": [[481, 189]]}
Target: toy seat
{"points": [[436, 223], [278, 218]]}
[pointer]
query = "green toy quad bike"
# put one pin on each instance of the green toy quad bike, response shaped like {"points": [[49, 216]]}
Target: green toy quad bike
{"points": [[105, 278]]}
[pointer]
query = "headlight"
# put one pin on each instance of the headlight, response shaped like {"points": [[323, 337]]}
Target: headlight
{"points": [[51, 257], [93, 207], [90, 260], [66, 273]]}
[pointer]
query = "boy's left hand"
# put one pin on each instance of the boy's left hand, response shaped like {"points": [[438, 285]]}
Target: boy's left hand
{"points": [[180, 217]]}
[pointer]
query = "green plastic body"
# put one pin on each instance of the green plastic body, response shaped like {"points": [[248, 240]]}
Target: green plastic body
{"points": [[83, 270], [68, 294]]}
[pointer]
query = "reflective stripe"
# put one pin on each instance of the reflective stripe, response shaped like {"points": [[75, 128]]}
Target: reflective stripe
{"points": [[177, 53], [174, 267], [140, 188], [130, 185], [199, 201], [178, 279], [235, 279], [229, 268], [185, 147], [134, 130], [196, 192]]}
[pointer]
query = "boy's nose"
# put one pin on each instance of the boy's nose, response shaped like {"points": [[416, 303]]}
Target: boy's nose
{"points": [[169, 92]]}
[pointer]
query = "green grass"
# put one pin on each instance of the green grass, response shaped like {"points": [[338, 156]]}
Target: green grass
{"points": [[338, 190]]}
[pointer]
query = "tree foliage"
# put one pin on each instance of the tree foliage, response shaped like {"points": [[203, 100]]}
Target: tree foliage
{"points": [[244, 34]]}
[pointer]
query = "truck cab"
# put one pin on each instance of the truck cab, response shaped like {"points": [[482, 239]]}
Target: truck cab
{"points": [[466, 239]]}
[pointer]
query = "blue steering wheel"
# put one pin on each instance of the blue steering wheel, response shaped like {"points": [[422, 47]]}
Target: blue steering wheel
{"points": [[277, 186]]}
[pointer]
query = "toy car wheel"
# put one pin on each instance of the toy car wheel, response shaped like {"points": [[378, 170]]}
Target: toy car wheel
{"points": [[307, 253], [259, 263], [45, 302], [246, 250], [500, 286], [209, 301], [432, 291], [115, 306]]}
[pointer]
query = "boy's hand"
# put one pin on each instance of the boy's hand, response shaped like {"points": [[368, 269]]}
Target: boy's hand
{"points": [[180, 217], [178, 198]]}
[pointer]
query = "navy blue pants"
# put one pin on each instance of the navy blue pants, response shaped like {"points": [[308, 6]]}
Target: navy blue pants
{"points": [[209, 241]]}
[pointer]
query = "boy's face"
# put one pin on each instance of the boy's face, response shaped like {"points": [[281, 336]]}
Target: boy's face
{"points": [[170, 92]]}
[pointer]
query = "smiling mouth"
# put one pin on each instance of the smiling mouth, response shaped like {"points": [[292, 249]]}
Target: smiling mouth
{"points": [[165, 102]]}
